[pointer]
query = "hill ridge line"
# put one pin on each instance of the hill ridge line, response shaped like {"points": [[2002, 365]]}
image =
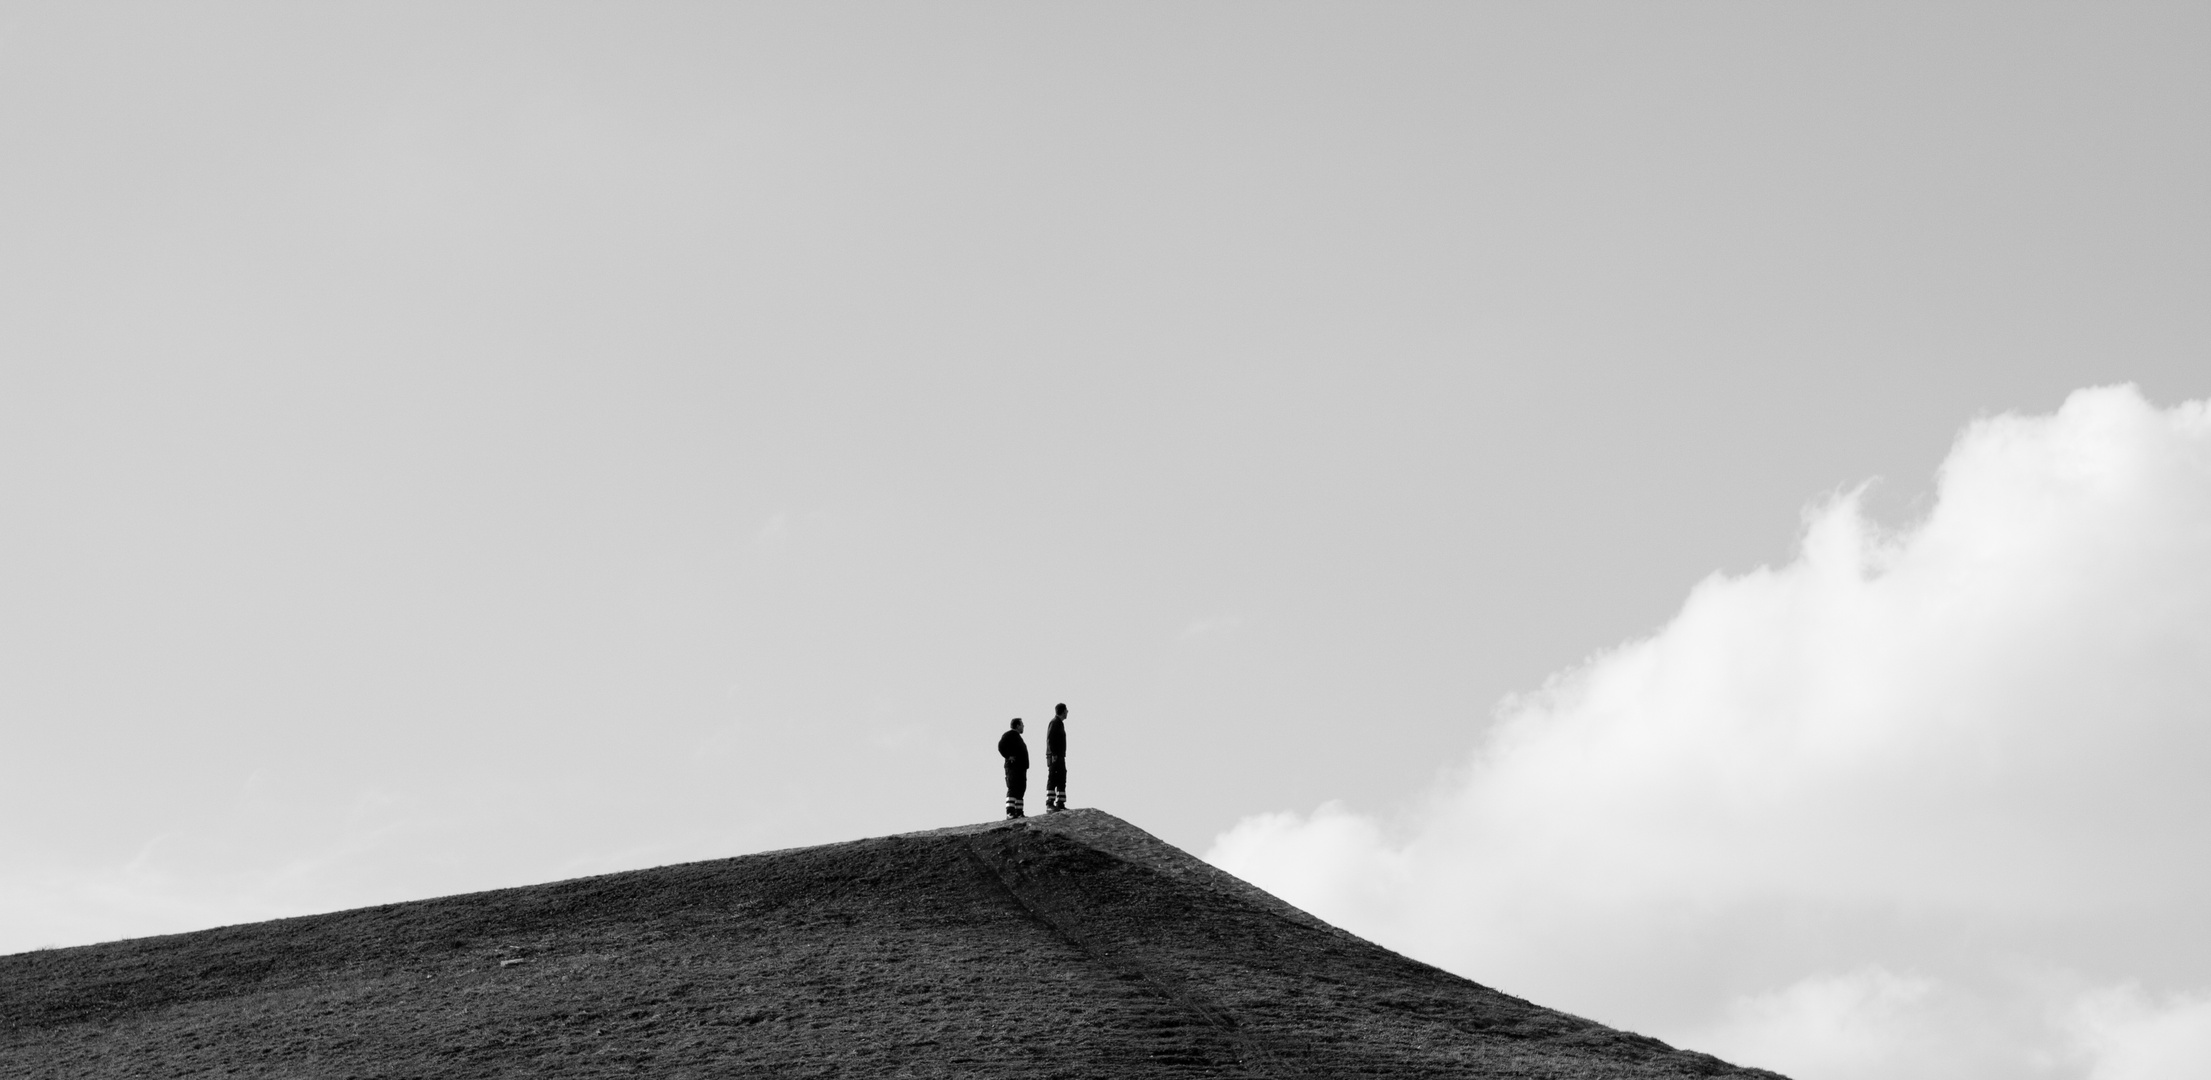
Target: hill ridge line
{"points": [[1067, 945]]}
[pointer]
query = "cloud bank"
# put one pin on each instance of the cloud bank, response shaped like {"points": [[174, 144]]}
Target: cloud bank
{"points": [[1933, 802]]}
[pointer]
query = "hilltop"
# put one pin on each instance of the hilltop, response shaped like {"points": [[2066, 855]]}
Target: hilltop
{"points": [[1072, 945]]}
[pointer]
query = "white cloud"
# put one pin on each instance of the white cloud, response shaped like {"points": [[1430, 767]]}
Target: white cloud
{"points": [[2125, 1036], [1866, 1022], [1973, 749]]}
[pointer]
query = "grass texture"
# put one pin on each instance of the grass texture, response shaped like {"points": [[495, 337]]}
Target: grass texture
{"points": [[1069, 946]]}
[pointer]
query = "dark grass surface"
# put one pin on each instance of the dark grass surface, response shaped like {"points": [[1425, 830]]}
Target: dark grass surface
{"points": [[1070, 946]]}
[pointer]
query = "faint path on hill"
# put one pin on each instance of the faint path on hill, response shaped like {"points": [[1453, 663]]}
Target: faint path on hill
{"points": [[996, 855]]}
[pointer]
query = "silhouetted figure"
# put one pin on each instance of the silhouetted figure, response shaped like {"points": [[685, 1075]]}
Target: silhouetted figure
{"points": [[1055, 762], [1016, 752]]}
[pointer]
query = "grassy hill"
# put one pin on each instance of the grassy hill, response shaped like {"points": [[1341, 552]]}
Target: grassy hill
{"points": [[1073, 945]]}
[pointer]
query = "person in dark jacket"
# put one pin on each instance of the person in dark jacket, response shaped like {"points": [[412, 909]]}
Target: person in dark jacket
{"points": [[1055, 762], [1016, 752]]}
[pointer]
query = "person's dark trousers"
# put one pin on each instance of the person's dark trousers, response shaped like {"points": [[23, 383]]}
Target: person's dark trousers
{"points": [[1055, 783], [1017, 786]]}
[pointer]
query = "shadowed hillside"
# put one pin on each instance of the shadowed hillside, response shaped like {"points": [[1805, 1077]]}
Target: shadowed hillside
{"points": [[1074, 945]]}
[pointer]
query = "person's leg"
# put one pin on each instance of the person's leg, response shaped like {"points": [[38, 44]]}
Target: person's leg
{"points": [[1055, 785], [1017, 786]]}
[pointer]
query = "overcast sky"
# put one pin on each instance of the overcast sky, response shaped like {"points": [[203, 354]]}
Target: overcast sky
{"points": [[452, 446]]}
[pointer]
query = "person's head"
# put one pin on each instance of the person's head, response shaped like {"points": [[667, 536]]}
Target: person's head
{"points": [[1017, 725], [1061, 710]]}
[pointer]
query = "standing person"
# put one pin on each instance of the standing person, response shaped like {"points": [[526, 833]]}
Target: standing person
{"points": [[1016, 752], [1055, 761]]}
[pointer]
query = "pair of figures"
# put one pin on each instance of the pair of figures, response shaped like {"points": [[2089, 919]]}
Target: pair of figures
{"points": [[1015, 749]]}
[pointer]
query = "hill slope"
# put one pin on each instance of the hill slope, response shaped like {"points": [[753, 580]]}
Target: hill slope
{"points": [[1073, 945]]}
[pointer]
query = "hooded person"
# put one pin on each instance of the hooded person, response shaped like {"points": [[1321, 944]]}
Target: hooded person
{"points": [[1015, 751], [1055, 761]]}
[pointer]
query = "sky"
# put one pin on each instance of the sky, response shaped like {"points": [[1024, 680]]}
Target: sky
{"points": [[453, 446]]}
